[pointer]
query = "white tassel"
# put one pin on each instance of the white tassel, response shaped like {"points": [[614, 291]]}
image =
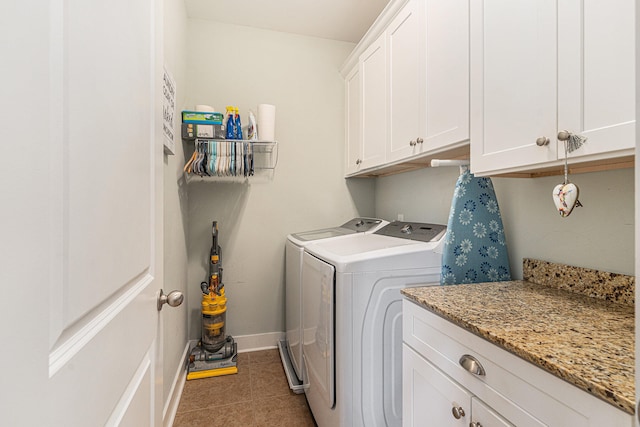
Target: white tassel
{"points": [[575, 141]]}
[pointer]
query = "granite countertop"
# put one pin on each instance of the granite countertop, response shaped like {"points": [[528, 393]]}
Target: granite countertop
{"points": [[586, 341]]}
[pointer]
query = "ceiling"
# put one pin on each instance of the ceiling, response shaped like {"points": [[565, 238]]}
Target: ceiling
{"points": [[344, 20]]}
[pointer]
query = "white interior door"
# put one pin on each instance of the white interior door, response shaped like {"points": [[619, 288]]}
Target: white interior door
{"points": [[83, 234]]}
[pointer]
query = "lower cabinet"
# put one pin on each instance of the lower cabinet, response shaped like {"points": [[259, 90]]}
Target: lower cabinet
{"points": [[452, 377], [437, 400], [481, 412]]}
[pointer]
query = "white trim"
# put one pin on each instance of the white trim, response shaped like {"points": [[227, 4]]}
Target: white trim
{"points": [[372, 34], [175, 393], [258, 341], [247, 343]]}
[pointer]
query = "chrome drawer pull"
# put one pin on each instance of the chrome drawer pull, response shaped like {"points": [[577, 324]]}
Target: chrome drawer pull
{"points": [[471, 364]]}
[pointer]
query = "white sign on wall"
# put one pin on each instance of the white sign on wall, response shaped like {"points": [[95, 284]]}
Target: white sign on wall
{"points": [[168, 111]]}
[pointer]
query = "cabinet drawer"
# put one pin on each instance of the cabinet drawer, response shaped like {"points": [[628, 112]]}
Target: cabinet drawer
{"points": [[509, 381], [430, 396]]}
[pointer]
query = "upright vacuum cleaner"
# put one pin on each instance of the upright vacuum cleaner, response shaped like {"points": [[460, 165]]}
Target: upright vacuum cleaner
{"points": [[216, 354]]}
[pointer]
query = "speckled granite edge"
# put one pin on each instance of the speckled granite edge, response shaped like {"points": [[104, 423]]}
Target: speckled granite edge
{"points": [[613, 287], [567, 334]]}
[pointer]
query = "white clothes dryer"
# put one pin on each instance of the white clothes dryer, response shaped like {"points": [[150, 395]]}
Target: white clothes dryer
{"points": [[291, 348], [352, 320]]}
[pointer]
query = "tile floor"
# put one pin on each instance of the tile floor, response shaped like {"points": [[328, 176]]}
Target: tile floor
{"points": [[258, 395]]}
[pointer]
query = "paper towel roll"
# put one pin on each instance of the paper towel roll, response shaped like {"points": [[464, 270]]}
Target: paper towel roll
{"points": [[266, 122], [205, 108]]}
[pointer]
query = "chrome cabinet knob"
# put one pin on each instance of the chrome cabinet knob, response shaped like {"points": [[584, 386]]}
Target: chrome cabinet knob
{"points": [[173, 298], [572, 141], [412, 143], [457, 412], [475, 424], [564, 135], [419, 140], [542, 141], [471, 364], [358, 161]]}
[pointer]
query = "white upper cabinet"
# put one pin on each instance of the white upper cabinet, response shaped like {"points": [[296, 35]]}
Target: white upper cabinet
{"points": [[542, 66], [406, 81], [374, 105], [513, 83], [596, 74], [413, 74], [353, 129], [447, 73], [428, 55]]}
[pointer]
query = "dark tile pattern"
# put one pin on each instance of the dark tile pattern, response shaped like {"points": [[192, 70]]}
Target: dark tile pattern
{"points": [[258, 395]]}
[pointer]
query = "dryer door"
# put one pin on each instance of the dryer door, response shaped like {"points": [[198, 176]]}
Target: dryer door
{"points": [[318, 278]]}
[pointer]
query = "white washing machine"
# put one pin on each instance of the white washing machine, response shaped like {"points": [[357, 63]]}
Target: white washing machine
{"points": [[352, 320], [291, 348]]}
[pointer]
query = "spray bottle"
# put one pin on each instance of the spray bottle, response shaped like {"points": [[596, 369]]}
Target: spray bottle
{"points": [[238, 125], [230, 123]]}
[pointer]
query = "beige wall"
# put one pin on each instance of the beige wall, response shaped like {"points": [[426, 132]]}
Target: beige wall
{"points": [[599, 235], [174, 320], [244, 67], [307, 190]]}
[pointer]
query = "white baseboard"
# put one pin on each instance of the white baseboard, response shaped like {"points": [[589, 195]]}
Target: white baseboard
{"points": [[171, 405], [258, 341]]}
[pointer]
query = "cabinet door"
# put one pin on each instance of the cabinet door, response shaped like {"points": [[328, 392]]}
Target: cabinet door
{"points": [[428, 53], [482, 415], [429, 395], [354, 122], [446, 112], [373, 80], [596, 72], [406, 45], [513, 83]]}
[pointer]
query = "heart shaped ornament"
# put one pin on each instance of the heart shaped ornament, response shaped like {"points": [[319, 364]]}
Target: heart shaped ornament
{"points": [[565, 197]]}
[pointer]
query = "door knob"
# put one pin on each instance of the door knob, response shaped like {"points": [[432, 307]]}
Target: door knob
{"points": [[173, 298]]}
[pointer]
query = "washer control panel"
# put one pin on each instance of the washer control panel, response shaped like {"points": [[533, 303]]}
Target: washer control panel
{"points": [[361, 224], [414, 231]]}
